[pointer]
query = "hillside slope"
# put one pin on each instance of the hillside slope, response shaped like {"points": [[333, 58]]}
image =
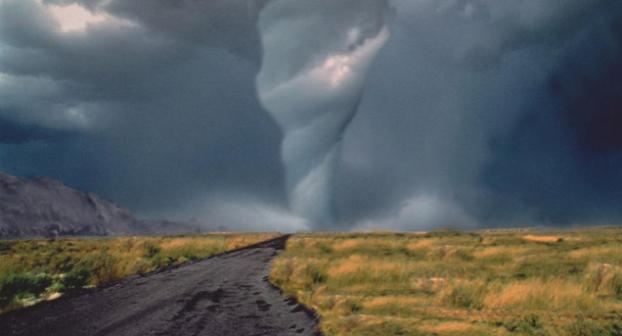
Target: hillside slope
{"points": [[46, 207]]}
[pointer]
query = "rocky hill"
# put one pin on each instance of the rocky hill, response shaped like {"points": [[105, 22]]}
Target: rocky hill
{"points": [[43, 207]]}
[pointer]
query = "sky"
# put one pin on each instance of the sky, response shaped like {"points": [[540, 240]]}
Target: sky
{"points": [[437, 113]]}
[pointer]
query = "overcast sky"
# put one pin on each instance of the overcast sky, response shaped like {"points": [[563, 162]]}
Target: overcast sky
{"points": [[474, 113]]}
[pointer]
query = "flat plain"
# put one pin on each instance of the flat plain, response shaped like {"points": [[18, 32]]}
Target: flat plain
{"points": [[35, 270], [503, 282], [445, 283]]}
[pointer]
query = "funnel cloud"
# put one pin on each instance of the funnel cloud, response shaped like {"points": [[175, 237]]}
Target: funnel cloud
{"points": [[313, 89]]}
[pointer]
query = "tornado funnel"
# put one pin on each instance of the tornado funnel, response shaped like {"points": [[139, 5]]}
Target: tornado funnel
{"points": [[315, 59]]}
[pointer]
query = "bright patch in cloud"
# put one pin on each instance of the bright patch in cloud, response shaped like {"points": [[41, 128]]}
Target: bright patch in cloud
{"points": [[337, 67], [75, 18], [77, 117]]}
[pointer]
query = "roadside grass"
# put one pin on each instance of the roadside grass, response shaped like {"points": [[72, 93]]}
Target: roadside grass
{"points": [[36, 270], [566, 283]]}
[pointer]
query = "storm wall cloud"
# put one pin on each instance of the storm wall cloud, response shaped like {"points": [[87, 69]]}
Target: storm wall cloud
{"points": [[473, 112]]}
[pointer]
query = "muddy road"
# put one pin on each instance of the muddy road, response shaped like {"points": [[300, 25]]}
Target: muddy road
{"points": [[226, 295]]}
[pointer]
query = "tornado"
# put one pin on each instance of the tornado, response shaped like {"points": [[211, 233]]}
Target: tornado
{"points": [[316, 56]]}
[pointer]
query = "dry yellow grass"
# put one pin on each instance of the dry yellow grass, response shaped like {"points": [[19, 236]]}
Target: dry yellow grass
{"points": [[347, 244], [49, 267], [458, 284], [348, 266], [604, 279], [421, 244], [597, 251], [493, 251], [559, 295], [401, 301], [542, 239], [448, 327]]}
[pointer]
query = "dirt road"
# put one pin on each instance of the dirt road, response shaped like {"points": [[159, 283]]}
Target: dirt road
{"points": [[226, 295]]}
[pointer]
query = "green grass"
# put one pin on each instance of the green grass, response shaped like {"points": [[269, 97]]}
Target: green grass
{"points": [[35, 270], [566, 283]]}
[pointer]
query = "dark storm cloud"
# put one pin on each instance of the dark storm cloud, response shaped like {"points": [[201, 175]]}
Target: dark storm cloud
{"points": [[165, 117], [426, 143], [223, 23], [476, 112], [564, 161], [12, 132]]}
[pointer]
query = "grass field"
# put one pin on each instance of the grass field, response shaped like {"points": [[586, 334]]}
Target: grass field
{"points": [[35, 270], [452, 283]]}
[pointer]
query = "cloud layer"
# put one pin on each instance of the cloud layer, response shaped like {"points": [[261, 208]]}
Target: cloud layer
{"points": [[475, 112]]}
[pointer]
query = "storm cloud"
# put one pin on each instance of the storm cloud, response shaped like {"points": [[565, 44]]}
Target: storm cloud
{"points": [[474, 113], [313, 87]]}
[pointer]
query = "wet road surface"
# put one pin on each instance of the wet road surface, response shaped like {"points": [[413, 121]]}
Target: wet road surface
{"points": [[225, 295]]}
